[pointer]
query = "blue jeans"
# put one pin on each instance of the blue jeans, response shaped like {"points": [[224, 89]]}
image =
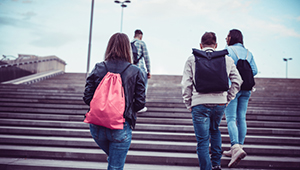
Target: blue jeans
{"points": [[146, 80], [206, 122], [236, 117], [114, 142]]}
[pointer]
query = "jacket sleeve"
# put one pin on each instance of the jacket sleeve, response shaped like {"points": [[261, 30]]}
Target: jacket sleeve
{"points": [[187, 84], [236, 80], [139, 94], [146, 56], [90, 88]]}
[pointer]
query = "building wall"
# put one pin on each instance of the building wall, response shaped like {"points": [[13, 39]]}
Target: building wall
{"points": [[29, 64]]}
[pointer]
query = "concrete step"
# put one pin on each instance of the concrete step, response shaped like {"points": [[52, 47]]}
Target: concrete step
{"points": [[153, 91], [143, 145], [11, 93], [166, 158], [92, 154], [32, 90], [152, 111], [65, 87], [145, 127], [258, 115], [49, 164], [144, 120], [145, 135], [157, 102], [43, 96], [283, 97], [48, 101], [24, 99]]}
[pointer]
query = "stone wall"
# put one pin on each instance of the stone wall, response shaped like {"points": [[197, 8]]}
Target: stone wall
{"points": [[29, 64]]}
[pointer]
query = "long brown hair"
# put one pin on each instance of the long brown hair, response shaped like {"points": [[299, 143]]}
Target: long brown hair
{"points": [[118, 48], [236, 36]]}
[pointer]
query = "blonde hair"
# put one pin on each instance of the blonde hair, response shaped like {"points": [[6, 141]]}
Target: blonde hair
{"points": [[118, 48]]}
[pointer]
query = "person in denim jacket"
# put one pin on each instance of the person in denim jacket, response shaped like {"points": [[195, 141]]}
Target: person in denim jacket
{"points": [[236, 110]]}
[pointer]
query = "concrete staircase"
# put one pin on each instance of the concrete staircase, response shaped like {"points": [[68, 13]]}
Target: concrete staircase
{"points": [[41, 127]]}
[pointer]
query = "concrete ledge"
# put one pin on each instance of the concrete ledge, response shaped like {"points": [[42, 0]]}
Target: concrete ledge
{"points": [[62, 128], [143, 157], [144, 145], [47, 164], [34, 78]]}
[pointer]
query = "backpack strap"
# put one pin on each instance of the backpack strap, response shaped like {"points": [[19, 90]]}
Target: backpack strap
{"points": [[125, 69], [105, 67], [132, 43], [211, 50], [209, 54], [119, 73], [237, 54], [142, 55]]}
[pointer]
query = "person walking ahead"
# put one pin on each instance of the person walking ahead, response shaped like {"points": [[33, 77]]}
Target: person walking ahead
{"points": [[236, 111], [143, 58], [207, 108], [116, 142]]}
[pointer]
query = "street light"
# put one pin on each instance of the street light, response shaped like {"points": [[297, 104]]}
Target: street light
{"points": [[123, 5], [286, 60], [90, 39]]}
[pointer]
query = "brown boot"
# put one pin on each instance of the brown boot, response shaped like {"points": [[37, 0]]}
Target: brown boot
{"points": [[237, 154]]}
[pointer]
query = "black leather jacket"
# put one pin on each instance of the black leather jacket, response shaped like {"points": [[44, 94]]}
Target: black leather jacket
{"points": [[133, 83]]}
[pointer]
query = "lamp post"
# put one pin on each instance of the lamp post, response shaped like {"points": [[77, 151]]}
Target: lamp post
{"points": [[286, 60], [123, 5], [90, 39]]}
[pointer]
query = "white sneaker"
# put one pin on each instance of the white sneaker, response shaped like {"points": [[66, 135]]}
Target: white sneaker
{"points": [[143, 110], [227, 153], [237, 154]]}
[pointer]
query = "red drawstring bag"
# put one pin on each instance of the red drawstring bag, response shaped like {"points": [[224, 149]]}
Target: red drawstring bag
{"points": [[108, 104]]}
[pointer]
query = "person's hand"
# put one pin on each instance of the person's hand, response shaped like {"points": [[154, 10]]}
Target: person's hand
{"points": [[190, 109], [149, 75]]}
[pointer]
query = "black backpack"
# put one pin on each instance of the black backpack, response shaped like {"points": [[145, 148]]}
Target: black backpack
{"points": [[245, 71], [135, 53], [210, 71]]}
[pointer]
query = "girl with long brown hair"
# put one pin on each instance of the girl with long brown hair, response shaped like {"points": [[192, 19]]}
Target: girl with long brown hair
{"points": [[116, 142]]}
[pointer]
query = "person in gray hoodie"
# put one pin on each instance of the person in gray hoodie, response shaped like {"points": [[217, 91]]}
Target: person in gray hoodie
{"points": [[207, 109]]}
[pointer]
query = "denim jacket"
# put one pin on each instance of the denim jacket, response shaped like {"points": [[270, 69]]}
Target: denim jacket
{"points": [[242, 52]]}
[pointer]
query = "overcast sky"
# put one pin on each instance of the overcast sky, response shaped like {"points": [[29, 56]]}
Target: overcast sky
{"points": [[171, 28]]}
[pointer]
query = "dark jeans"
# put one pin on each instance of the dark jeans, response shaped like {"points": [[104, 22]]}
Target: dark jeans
{"points": [[114, 142], [206, 120]]}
